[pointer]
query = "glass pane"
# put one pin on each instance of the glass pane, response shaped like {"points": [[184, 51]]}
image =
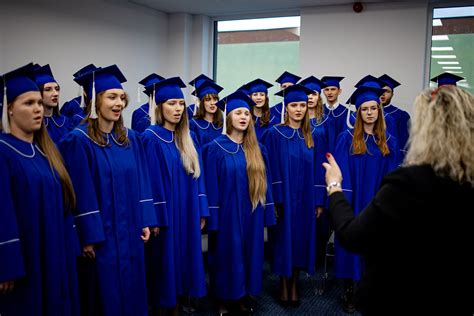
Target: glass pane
{"points": [[256, 48], [452, 46]]}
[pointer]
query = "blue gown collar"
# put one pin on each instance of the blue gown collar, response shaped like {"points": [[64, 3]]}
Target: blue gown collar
{"points": [[316, 124], [203, 124], [228, 145], [83, 129], [145, 108], [58, 120], [257, 119], [341, 109], [162, 133], [288, 132], [20, 147], [371, 136], [389, 109], [77, 100]]}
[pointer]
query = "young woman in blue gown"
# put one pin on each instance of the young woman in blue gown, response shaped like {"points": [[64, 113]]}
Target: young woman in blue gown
{"points": [[207, 123], [297, 174], [365, 154], [57, 124], [240, 203], [114, 203], [263, 118], [176, 263], [37, 249]]}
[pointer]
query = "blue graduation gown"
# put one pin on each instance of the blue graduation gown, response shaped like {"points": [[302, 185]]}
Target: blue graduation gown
{"points": [[402, 126], [362, 176], [319, 131], [205, 131], [77, 118], [72, 107], [276, 110], [177, 262], [260, 130], [137, 118], [34, 235], [114, 203], [58, 126], [336, 123], [236, 232], [190, 109], [293, 173]]}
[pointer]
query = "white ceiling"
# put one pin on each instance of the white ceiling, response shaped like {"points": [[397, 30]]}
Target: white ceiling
{"points": [[221, 8]]}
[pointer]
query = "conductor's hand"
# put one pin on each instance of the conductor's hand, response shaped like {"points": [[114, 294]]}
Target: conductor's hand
{"points": [[333, 173]]}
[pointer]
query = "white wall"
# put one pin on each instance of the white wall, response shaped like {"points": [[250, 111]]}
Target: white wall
{"points": [[384, 38], [71, 34], [190, 48]]}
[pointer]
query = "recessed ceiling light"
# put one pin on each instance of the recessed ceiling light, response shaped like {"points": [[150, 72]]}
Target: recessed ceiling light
{"points": [[454, 72], [437, 22], [452, 67], [443, 56], [440, 38], [448, 62], [441, 49]]}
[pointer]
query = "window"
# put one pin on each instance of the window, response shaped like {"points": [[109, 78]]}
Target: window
{"points": [[452, 46], [256, 48]]}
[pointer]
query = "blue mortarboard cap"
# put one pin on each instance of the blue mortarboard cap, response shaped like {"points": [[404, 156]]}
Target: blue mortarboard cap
{"points": [[389, 81], [104, 78], [313, 83], [332, 81], [168, 89], [370, 81], [235, 100], [295, 93], [84, 70], [199, 80], [36, 66], [208, 87], [150, 79], [15, 83], [244, 88], [258, 85], [81, 78], [288, 77], [363, 94], [44, 75], [19, 81], [446, 78]]}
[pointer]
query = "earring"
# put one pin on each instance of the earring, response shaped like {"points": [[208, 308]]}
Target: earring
{"points": [[11, 113]]}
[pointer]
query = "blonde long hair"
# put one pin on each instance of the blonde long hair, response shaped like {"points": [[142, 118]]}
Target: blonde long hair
{"points": [[358, 142], [256, 172], [442, 131], [305, 127], [56, 162], [184, 142]]}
